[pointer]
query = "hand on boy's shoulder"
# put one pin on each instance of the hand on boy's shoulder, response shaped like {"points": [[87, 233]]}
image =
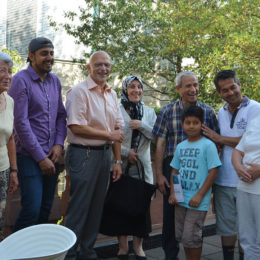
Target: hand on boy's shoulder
{"points": [[211, 134], [195, 200]]}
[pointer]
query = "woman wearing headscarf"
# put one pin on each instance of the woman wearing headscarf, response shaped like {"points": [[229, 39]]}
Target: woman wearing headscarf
{"points": [[8, 167], [139, 121]]}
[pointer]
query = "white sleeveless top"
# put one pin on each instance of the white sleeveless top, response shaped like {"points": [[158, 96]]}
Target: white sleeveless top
{"points": [[6, 129]]}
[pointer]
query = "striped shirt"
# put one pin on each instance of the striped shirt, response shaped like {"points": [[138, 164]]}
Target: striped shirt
{"points": [[168, 123]]}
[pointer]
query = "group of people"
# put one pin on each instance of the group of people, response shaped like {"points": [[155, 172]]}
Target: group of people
{"points": [[178, 131], [105, 137]]}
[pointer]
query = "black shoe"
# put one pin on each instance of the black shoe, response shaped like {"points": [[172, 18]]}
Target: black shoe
{"points": [[138, 257], [82, 258], [122, 257]]}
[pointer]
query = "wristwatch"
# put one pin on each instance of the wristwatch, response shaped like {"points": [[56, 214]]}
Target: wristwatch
{"points": [[13, 170], [118, 162]]}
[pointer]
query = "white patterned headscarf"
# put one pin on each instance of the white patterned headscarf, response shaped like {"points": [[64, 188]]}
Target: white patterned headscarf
{"points": [[136, 109]]}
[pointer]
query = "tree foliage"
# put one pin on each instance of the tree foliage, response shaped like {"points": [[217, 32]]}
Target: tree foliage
{"points": [[152, 37], [17, 62]]}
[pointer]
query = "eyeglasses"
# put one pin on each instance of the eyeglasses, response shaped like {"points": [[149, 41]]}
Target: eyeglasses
{"points": [[99, 65]]}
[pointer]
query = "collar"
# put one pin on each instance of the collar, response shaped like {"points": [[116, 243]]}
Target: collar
{"points": [[33, 74], [244, 103], [181, 104], [91, 84]]}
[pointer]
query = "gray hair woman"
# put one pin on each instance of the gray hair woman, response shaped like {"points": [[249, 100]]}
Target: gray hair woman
{"points": [[139, 121], [8, 167]]}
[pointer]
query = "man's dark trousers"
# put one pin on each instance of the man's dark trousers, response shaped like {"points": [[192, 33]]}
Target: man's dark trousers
{"points": [[170, 245]]}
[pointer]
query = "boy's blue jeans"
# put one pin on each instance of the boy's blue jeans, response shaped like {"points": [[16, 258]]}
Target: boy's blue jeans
{"points": [[37, 193]]}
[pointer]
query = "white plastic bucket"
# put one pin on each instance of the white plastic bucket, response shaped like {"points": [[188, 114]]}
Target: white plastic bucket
{"points": [[44, 241]]}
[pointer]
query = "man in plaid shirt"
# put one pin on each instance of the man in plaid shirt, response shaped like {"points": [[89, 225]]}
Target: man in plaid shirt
{"points": [[169, 133]]}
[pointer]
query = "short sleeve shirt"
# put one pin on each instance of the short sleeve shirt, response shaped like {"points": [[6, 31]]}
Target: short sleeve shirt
{"points": [[193, 160], [248, 111], [250, 146], [6, 130], [86, 105]]}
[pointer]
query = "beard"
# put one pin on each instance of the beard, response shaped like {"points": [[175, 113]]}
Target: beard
{"points": [[45, 66]]}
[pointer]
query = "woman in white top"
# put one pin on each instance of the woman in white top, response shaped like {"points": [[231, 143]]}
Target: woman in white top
{"points": [[8, 167], [138, 124], [246, 161]]}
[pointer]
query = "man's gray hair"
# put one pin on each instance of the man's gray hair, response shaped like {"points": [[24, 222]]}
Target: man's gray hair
{"points": [[179, 77], [6, 58]]}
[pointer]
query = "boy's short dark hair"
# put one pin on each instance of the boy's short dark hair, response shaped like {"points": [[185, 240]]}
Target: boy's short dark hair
{"points": [[225, 74], [193, 111]]}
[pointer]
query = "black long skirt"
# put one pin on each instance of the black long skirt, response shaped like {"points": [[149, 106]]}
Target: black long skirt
{"points": [[114, 223]]}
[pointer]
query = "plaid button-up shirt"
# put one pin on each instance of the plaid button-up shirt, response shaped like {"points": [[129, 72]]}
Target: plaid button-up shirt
{"points": [[168, 123]]}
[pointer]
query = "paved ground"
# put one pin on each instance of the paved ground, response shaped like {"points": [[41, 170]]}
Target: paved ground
{"points": [[211, 251]]}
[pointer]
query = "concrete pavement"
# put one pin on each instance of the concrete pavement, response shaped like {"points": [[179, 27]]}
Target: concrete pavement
{"points": [[211, 250]]}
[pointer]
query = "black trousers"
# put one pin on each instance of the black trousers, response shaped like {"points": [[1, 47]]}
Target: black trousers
{"points": [[170, 245]]}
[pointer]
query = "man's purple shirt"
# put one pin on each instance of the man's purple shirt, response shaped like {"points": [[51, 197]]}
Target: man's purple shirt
{"points": [[39, 114]]}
